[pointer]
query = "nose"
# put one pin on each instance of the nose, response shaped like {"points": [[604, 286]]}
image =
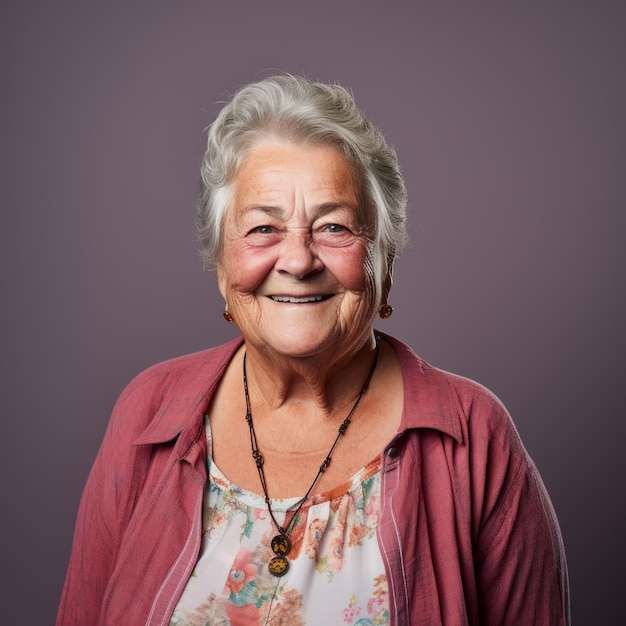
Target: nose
{"points": [[298, 256]]}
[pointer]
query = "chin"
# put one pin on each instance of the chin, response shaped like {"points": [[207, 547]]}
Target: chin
{"points": [[301, 344], [299, 350]]}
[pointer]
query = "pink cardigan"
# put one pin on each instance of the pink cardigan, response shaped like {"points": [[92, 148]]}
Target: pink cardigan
{"points": [[467, 531]]}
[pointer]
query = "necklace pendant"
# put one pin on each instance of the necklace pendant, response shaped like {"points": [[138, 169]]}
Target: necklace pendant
{"points": [[278, 566], [281, 546]]}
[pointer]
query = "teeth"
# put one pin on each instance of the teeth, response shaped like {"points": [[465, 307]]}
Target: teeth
{"points": [[297, 300]]}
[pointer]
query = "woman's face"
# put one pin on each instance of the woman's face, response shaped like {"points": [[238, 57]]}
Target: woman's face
{"points": [[295, 268]]}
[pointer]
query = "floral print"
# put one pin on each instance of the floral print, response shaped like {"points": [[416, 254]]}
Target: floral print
{"points": [[242, 573], [377, 607], [333, 543]]}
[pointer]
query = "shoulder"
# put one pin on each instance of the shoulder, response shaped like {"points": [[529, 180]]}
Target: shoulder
{"points": [[454, 404], [166, 396], [186, 371], [482, 448]]}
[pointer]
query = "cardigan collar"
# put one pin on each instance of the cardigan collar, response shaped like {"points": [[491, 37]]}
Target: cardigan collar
{"points": [[183, 390], [430, 399]]}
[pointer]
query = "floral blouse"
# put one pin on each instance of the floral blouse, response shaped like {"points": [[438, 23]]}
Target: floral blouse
{"points": [[336, 573]]}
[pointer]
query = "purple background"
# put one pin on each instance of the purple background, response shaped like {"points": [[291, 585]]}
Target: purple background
{"points": [[509, 124]]}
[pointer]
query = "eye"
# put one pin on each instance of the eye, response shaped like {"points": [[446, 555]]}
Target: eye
{"points": [[263, 230], [334, 235], [334, 228], [263, 235]]}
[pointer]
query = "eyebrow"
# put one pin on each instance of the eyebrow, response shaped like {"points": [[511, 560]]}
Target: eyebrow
{"points": [[318, 210]]}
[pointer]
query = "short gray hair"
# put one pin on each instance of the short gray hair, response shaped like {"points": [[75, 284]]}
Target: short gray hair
{"points": [[294, 108]]}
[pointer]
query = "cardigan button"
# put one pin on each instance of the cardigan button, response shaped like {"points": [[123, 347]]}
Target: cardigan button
{"points": [[392, 452]]}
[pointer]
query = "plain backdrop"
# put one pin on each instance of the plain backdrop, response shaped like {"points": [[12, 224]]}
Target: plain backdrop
{"points": [[508, 119]]}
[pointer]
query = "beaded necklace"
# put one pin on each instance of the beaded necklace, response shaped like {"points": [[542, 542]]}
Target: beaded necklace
{"points": [[281, 544]]}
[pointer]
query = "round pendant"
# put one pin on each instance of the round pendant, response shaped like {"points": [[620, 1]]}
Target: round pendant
{"points": [[278, 566], [281, 546]]}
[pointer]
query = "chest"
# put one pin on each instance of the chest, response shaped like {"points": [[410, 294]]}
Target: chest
{"points": [[293, 448]]}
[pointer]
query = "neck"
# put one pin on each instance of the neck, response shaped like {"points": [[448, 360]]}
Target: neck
{"points": [[327, 381]]}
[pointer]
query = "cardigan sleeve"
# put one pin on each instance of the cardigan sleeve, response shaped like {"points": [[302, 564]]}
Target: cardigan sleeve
{"points": [[521, 572], [148, 479], [105, 508]]}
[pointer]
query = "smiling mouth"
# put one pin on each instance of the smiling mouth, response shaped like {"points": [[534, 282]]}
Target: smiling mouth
{"points": [[304, 300]]}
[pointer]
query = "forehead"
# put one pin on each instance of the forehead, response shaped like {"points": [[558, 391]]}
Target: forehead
{"points": [[281, 170]]}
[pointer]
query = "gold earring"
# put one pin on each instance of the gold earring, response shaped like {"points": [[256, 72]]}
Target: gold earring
{"points": [[385, 311], [228, 317]]}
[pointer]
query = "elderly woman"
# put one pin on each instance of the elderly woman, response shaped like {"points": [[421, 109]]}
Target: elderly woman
{"points": [[315, 470]]}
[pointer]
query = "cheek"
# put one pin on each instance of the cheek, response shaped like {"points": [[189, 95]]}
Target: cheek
{"points": [[244, 268], [352, 268]]}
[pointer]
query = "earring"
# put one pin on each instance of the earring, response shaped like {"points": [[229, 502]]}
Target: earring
{"points": [[385, 311], [228, 317]]}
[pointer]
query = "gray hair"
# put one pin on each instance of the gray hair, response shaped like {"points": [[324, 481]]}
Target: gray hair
{"points": [[294, 108]]}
